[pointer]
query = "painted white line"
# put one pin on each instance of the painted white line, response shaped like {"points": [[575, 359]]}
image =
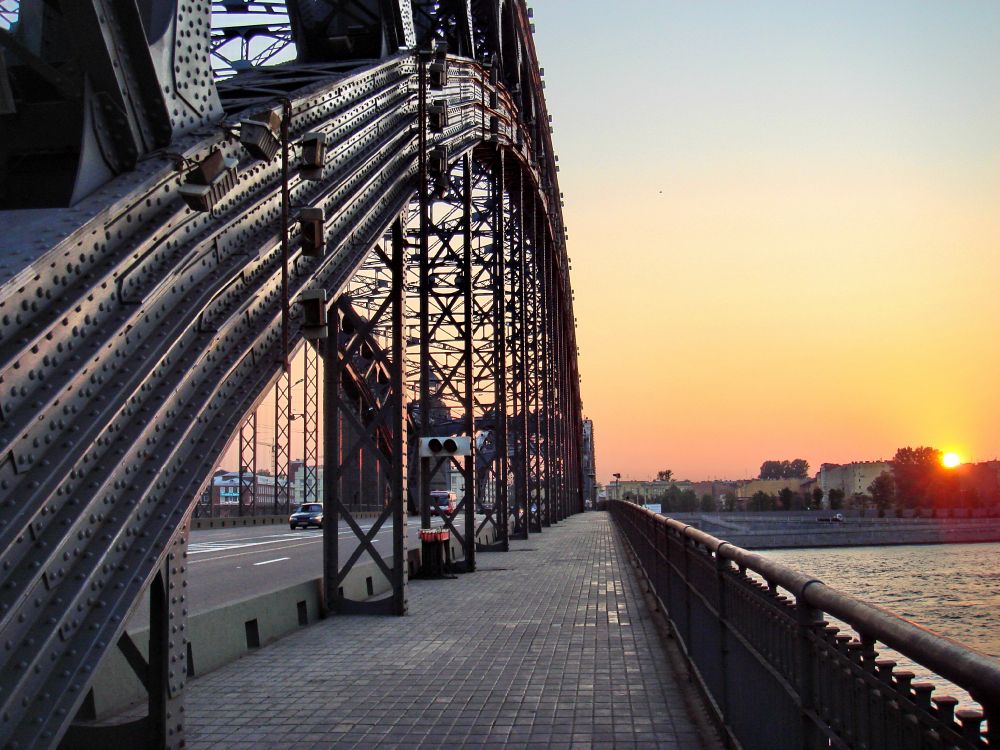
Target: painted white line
{"points": [[268, 562], [252, 552]]}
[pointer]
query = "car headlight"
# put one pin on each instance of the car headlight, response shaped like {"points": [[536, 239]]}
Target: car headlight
{"points": [[318, 518]]}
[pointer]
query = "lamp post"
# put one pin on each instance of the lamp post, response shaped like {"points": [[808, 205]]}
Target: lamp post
{"points": [[618, 491]]}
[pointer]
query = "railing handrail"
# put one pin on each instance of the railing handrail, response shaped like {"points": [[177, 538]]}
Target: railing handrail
{"points": [[968, 668]]}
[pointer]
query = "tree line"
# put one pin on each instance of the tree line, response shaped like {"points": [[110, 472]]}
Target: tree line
{"points": [[918, 480]]}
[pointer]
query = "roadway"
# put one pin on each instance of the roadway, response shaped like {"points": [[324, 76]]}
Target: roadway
{"points": [[227, 565]]}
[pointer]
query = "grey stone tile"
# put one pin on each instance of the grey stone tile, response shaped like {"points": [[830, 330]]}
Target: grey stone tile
{"points": [[527, 657]]}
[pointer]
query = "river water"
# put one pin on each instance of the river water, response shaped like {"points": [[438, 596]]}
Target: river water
{"points": [[952, 589]]}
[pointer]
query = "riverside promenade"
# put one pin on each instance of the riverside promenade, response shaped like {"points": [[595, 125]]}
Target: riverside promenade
{"points": [[550, 646]]}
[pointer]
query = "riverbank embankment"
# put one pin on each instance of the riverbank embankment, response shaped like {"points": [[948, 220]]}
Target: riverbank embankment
{"points": [[795, 529]]}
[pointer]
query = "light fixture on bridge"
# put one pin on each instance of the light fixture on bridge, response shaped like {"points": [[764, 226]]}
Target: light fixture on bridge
{"points": [[313, 303], [210, 180], [313, 154], [437, 115], [438, 69], [437, 166], [259, 134], [311, 232], [445, 446], [437, 161]]}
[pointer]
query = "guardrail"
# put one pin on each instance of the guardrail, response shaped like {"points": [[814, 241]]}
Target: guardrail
{"points": [[777, 674]]}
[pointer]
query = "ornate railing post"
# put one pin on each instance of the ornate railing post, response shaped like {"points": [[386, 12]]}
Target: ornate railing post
{"points": [[807, 619]]}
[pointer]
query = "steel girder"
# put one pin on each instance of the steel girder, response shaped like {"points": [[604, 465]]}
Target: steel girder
{"points": [[248, 466], [96, 86], [365, 435], [351, 29], [489, 335], [136, 334], [517, 385], [282, 442], [310, 418], [443, 378]]}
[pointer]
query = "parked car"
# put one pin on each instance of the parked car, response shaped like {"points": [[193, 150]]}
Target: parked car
{"points": [[306, 515]]}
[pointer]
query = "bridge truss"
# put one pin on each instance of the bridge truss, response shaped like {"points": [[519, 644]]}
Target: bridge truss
{"points": [[171, 235]]}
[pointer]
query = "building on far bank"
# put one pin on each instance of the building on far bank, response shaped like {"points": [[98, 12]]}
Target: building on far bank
{"points": [[221, 498], [645, 489], [851, 479]]}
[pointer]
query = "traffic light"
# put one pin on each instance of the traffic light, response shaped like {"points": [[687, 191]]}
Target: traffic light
{"points": [[445, 446]]}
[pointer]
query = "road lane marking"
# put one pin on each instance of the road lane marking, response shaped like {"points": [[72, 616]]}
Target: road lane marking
{"points": [[268, 562], [200, 548], [252, 552], [223, 545]]}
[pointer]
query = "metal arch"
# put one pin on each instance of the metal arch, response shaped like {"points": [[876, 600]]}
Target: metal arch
{"points": [[486, 36], [9, 12], [248, 34], [112, 93], [329, 30], [136, 342], [448, 21]]}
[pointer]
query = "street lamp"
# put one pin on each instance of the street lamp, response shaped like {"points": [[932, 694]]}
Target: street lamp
{"points": [[618, 479]]}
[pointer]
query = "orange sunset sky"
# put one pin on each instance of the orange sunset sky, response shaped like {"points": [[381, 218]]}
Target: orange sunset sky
{"points": [[784, 220]]}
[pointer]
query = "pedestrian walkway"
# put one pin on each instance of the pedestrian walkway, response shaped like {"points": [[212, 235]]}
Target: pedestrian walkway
{"points": [[549, 645]]}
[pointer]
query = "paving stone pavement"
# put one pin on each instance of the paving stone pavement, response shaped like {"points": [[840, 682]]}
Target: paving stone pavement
{"points": [[549, 645]]}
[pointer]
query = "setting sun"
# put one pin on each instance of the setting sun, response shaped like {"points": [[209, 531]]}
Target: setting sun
{"points": [[951, 460]]}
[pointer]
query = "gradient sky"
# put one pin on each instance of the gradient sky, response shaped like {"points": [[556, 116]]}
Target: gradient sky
{"points": [[784, 219]]}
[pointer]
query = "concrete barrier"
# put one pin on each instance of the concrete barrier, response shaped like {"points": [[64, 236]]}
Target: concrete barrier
{"points": [[224, 634]]}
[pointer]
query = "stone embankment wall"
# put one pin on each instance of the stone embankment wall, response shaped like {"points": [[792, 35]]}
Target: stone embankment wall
{"points": [[806, 529]]}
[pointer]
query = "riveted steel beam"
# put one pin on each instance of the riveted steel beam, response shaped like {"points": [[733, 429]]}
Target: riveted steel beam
{"points": [[138, 332]]}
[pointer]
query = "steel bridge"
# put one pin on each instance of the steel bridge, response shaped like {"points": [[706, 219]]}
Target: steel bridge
{"points": [[192, 193]]}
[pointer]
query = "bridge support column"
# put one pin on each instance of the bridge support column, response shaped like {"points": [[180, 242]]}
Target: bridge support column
{"points": [[364, 429], [310, 417], [516, 309], [489, 324], [445, 384], [247, 497], [533, 356]]}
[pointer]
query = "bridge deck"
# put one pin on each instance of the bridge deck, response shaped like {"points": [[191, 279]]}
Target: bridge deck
{"points": [[550, 645]]}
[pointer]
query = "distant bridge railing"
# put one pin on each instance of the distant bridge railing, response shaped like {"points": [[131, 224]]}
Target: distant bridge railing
{"points": [[778, 674]]}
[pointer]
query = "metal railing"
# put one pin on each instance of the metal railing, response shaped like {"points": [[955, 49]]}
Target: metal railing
{"points": [[778, 674]]}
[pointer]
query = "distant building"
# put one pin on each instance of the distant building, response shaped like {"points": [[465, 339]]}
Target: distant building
{"points": [[644, 489], [299, 484], [851, 479], [223, 493]]}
